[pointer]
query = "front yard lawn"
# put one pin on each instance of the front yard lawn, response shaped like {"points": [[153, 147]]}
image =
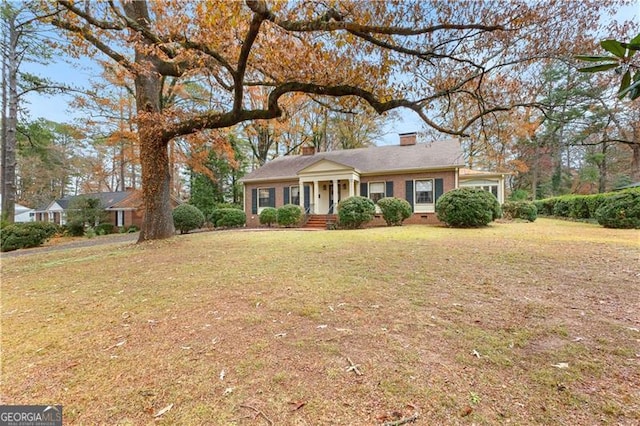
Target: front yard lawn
{"points": [[527, 323]]}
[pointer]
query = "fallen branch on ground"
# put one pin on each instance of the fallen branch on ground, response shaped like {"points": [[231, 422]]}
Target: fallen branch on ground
{"points": [[258, 413], [403, 421], [353, 367]]}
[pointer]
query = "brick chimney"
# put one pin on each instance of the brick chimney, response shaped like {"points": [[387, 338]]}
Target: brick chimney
{"points": [[408, 139], [308, 150]]}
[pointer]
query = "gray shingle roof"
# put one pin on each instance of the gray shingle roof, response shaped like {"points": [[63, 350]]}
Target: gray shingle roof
{"points": [[381, 159], [107, 199]]}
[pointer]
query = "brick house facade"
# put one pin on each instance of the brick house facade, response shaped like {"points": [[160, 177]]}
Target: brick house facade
{"points": [[418, 173]]}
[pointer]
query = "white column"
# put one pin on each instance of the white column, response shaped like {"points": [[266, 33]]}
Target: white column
{"points": [[316, 191], [351, 183], [301, 192], [335, 193]]}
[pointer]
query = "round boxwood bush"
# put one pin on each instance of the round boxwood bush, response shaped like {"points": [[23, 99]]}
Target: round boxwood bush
{"points": [[520, 210], [620, 211], [230, 218], [220, 211], [394, 210], [268, 216], [187, 217], [289, 215], [353, 212], [467, 208]]}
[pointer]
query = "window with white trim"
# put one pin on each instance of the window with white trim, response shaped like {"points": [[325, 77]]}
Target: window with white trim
{"points": [[489, 188], [263, 198], [376, 191], [119, 217], [294, 195], [424, 191]]}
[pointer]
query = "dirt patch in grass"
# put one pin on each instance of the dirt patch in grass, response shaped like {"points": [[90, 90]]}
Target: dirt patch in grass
{"points": [[517, 322]]}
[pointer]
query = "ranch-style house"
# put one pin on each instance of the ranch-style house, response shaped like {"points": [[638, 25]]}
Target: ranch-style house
{"points": [[316, 181]]}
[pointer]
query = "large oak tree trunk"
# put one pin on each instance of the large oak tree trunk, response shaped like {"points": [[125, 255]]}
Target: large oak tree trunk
{"points": [[154, 158], [156, 184]]}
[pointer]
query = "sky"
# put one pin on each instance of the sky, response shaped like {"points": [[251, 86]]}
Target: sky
{"points": [[79, 72]]}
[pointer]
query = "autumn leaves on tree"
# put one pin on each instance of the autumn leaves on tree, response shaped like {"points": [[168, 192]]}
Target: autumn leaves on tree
{"points": [[426, 56]]}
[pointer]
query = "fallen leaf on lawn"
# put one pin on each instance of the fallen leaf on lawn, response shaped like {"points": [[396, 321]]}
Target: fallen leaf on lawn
{"points": [[227, 391], [222, 375], [322, 326], [164, 410], [475, 353], [466, 411], [561, 365], [281, 334]]}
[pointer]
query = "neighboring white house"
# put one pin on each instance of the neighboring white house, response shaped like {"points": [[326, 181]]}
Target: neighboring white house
{"points": [[23, 214]]}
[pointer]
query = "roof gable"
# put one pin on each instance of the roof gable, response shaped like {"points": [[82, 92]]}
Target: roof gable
{"points": [[324, 165]]}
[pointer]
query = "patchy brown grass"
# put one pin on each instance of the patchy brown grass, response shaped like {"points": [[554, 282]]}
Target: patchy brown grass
{"points": [[460, 326]]}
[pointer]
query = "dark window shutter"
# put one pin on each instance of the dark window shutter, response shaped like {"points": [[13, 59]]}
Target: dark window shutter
{"points": [[389, 189], [272, 197], [409, 192], [439, 189], [254, 201], [307, 196], [364, 189], [286, 195]]}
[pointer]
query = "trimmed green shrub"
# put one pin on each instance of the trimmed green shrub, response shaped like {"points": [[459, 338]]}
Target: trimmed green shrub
{"points": [[228, 206], [230, 218], [562, 207], [574, 206], [132, 229], [578, 207], [545, 206], [104, 228], [289, 215], [187, 217], [268, 216], [593, 202], [218, 212], [353, 212], [26, 235], [468, 208], [394, 210], [520, 210], [621, 210]]}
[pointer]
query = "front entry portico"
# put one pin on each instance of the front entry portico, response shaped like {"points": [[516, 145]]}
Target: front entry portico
{"points": [[325, 184]]}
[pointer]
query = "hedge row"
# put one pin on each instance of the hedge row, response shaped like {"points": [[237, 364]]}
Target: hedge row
{"points": [[620, 209], [525, 210]]}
